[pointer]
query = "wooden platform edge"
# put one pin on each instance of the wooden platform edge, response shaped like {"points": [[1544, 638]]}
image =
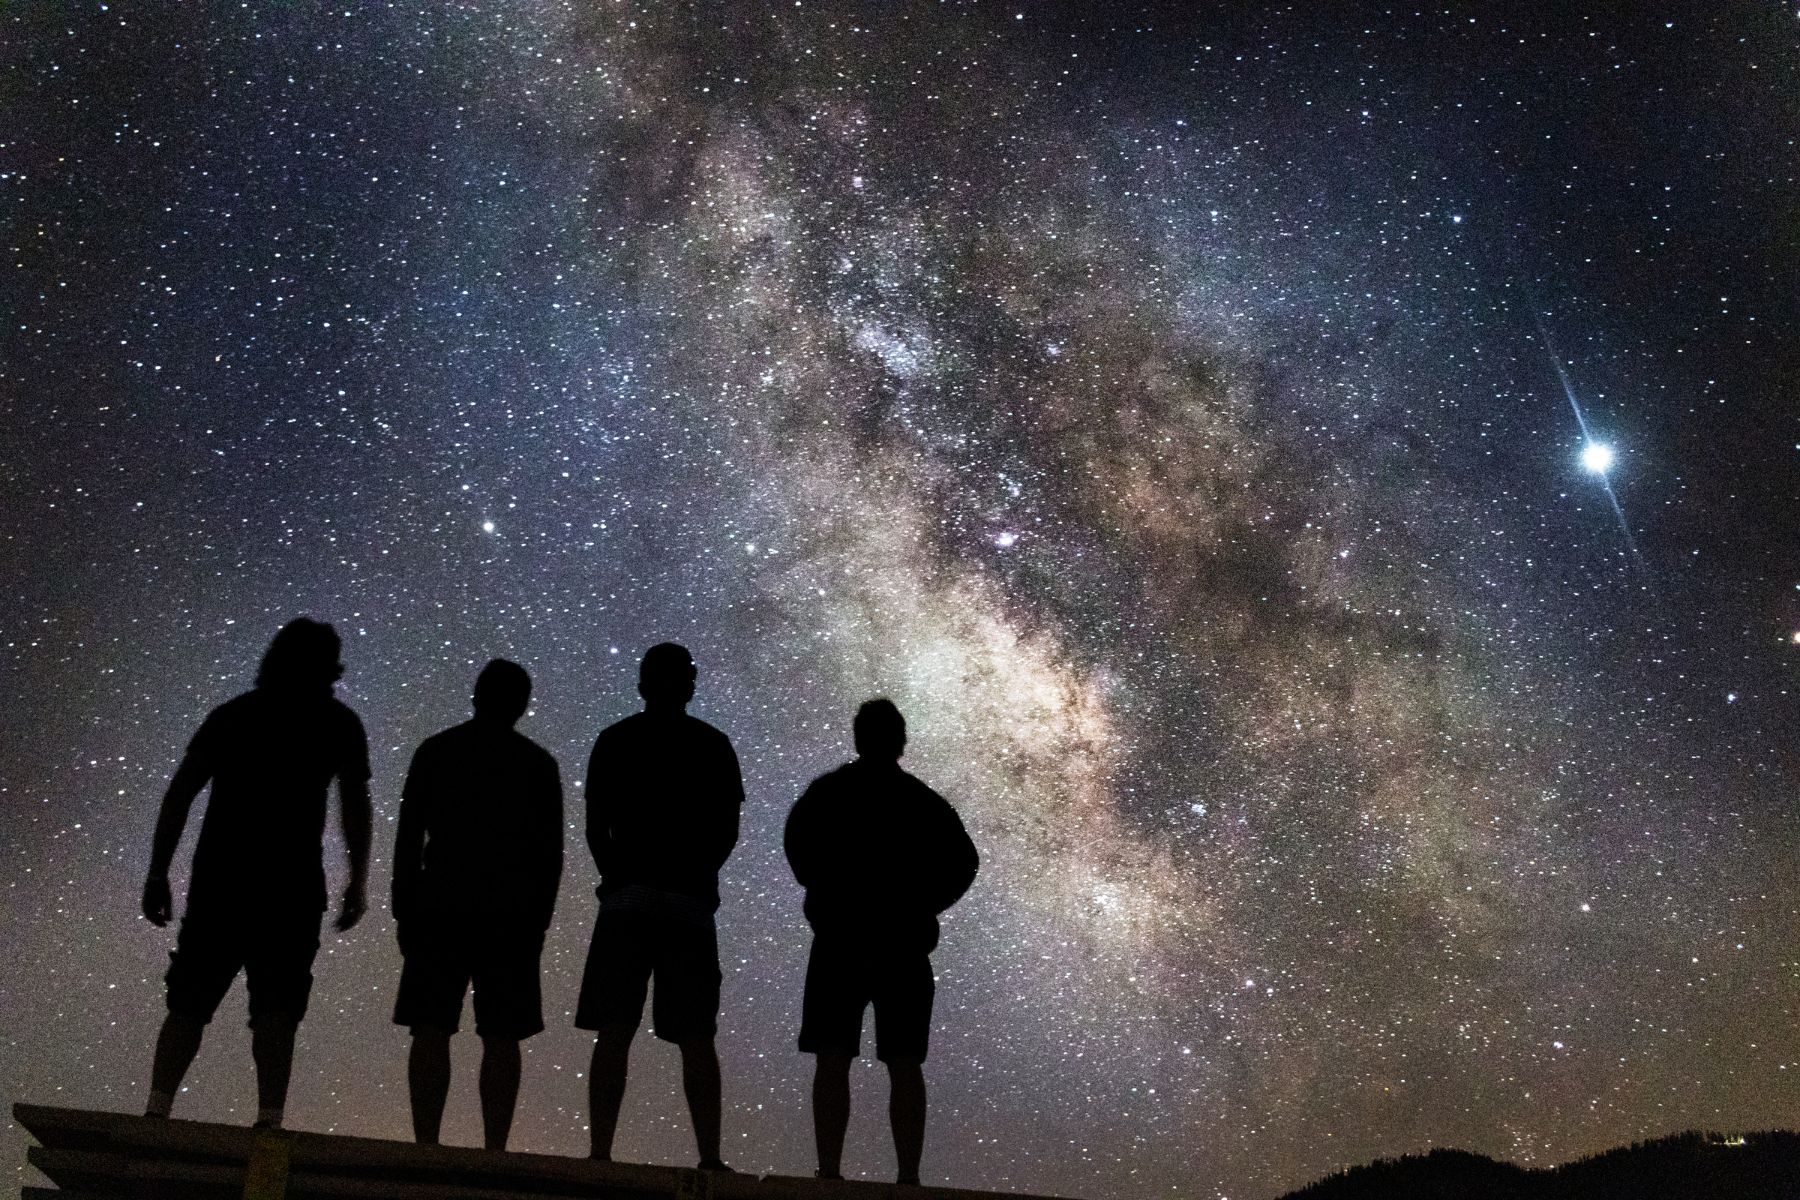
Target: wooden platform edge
{"points": [[88, 1150]]}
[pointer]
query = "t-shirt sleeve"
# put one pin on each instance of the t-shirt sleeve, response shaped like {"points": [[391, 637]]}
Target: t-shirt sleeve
{"points": [[409, 837], [204, 749], [353, 751], [731, 773], [799, 837], [548, 841], [597, 791], [730, 782], [956, 859]]}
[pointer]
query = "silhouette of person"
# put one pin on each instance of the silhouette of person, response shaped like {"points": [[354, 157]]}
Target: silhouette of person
{"points": [[477, 859], [663, 794], [880, 856], [256, 894]]}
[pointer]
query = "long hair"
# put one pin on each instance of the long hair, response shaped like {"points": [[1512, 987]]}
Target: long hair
{"points": [[302, 657]]}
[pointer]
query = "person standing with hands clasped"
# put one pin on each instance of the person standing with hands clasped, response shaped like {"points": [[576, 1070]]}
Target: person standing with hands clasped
{"points": [[477, 859], [256, 895], [880, 856], [663, 794]]}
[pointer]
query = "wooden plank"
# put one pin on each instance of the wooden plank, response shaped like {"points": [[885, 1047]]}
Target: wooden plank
{"points": [[66, 1127], [119, 1155], [806, 1187], [184, 1141], [266, 1174], [303, 1186], [321, 1153], [129, 1177], [137, 1178]]}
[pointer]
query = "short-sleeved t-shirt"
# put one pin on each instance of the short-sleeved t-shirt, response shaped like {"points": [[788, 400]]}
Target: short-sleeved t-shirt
{"points": [[663, 798], [271, 757], [481, 827]]}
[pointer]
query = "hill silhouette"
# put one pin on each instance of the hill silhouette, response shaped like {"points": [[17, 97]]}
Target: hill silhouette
{"points": [[1690, 1166]]}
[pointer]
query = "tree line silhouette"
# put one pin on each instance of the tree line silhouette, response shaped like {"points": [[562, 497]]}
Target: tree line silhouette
{"points": [[1685, 1166]]}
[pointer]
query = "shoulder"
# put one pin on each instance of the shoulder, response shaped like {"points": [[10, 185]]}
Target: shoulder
{"points": [[700, 731], [533, 753], [836, 780], [618, 730], [343, 716], [352, 745], [917, 786], [438, 743], [924, 794], [238, 708], [227, 721]]}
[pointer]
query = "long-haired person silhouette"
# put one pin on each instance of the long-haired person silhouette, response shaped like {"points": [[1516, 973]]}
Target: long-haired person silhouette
{"points": [[256, 894]]}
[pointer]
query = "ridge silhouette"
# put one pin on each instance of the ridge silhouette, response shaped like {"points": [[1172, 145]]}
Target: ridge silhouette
{"points": [[1692, 1165]]}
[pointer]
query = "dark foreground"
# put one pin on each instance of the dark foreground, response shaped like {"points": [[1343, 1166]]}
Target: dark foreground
{"points": [[116, 1156]]}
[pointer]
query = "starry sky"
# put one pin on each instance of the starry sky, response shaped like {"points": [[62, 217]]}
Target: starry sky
{"points": [[1178, 410]]}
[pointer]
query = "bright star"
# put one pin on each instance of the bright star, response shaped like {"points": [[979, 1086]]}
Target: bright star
{"points": [[1597, 457]]}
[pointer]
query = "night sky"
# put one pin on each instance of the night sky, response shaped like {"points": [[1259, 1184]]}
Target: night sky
{"points": [[1179, 413]]}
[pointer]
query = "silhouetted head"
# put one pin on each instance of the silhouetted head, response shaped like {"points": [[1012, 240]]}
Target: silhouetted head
{"points": [[880, 730], [302, 657], [666, 676], [502, 691]]}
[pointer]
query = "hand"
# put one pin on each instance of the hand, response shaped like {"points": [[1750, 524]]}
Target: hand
{"points": [[158, 904], [351, 911]]}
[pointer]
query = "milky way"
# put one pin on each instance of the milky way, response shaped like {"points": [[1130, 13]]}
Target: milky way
{"points": [[1157, 404]]}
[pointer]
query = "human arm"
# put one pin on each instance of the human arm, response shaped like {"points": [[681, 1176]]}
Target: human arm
{"points": [[171, 819], [409, 843], [955, 859], [547, 844], [358, 817], [798, 839], [731, 804], [598, 796]]}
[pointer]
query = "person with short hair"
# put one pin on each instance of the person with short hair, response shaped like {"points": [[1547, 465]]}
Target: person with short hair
{"points": [[477, 859], [663, 798], [256, 894], [881, 856]]}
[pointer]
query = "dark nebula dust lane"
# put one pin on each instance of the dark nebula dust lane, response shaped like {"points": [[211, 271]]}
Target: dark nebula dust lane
{"points": [[1168, 406]]}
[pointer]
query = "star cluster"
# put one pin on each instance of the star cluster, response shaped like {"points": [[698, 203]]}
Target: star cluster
{"points": [[1169, 407]]}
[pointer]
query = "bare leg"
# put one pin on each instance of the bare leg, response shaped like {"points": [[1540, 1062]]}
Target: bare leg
{"points": [[499, 1089], [176, 1047], [831, 1111], [606, 1086], [428, 1082], [700, 1080], [272, 1048], [906, 1113]]}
